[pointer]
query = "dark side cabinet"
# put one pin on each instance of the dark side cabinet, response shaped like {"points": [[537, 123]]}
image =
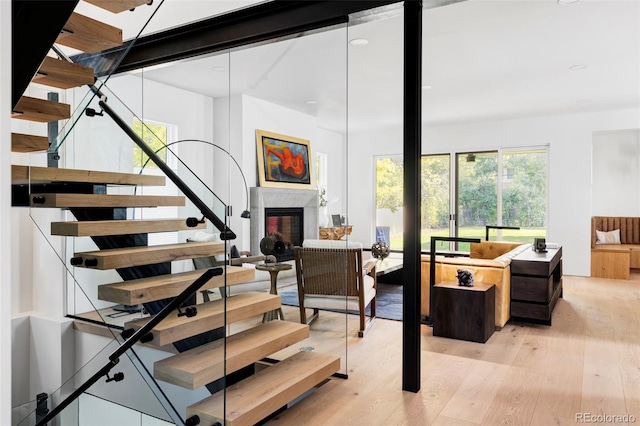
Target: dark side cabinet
{"points": [[536, 284], [465, 313]]}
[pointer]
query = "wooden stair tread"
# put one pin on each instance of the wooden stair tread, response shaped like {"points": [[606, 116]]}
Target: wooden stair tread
{"points": [[117, 6], [104, 200], [146, 255], [94, 228], [89, 35], [133, 292], [40, 110], [24, 174], [62, 74], [21, 142], [211, 315], [251, 400], [204, 364]]}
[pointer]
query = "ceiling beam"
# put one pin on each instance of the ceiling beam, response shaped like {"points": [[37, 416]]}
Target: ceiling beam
{"points": [[254, 24]]}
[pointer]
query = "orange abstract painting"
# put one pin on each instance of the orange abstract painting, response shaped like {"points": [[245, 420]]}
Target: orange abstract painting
{"points": [[283, 161]]}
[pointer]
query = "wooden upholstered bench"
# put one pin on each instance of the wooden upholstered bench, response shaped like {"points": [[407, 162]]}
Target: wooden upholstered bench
{"points": [[615, 260]]}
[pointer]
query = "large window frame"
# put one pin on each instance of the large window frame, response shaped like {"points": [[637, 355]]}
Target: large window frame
{"points": [[454, 198]]}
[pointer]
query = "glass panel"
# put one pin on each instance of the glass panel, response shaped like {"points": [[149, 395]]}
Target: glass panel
{"points": [[293, 112], [436, 200], [97, 144], [477, 194], [524, 195], [120, 396]]}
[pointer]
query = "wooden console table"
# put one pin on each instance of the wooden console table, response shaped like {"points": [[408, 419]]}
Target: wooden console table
{"points": [[536, 284], [334, 232], [465, 313]]}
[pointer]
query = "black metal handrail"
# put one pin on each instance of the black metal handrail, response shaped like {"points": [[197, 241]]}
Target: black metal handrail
{"points": [[114, 358], [225, 232]]}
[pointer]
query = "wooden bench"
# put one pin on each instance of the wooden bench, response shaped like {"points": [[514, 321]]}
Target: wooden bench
{"points": [[615, 260]]}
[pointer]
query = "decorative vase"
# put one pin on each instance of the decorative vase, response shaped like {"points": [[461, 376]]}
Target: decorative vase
{"points": [[323, 217]]}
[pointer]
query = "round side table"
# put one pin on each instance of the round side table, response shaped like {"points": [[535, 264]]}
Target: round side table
{"points": [[273, 269]]}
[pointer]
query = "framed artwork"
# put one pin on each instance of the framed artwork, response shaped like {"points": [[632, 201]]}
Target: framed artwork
{"points": [[283, 161]]}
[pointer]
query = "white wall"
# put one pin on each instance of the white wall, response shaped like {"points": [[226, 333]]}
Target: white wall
{"points": [[569, 138], [43, 359], [616, 173], [263, 115]]}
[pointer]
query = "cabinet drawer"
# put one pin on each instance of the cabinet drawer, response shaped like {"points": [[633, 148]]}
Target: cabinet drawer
{"points": [[531, 289]]}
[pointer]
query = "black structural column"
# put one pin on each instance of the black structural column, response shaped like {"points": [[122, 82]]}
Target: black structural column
{"points": [[412, 152]]}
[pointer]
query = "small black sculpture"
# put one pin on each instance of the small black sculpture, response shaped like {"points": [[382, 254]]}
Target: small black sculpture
{"points": [[465, 278]]}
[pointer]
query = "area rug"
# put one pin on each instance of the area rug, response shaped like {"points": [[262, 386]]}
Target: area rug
{"points": [[388, 301]]}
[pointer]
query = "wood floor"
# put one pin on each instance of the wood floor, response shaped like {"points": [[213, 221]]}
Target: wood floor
{"points": [[588, 362]]}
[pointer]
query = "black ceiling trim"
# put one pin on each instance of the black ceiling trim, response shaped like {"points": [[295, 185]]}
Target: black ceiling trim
{"points": [[254, 24]]}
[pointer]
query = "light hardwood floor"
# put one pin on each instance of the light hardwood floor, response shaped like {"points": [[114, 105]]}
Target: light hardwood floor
{"points": [[588, 361]]}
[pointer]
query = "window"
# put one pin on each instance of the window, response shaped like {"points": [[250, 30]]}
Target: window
{"points": [[389, 175], [157, 136]]}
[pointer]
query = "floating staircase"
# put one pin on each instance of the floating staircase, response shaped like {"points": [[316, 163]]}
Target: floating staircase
{"points": [[146, 270]]}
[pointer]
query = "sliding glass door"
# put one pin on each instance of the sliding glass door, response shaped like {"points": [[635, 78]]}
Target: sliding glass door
{"points": [[476, 194], [524, 194], [436, 200], [505, 189]]}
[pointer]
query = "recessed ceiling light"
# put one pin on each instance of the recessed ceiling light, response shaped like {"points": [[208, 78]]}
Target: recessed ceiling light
{"points": [[359, 42], [310, 102], [219, 69], [567, 1], [577, 67], [426, 87]]}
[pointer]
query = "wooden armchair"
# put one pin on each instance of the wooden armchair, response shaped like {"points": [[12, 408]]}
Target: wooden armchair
{"points": [[330, 275]]}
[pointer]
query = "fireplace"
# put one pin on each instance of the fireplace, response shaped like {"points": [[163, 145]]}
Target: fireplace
{"points": [[287, 225], [263, 201]]}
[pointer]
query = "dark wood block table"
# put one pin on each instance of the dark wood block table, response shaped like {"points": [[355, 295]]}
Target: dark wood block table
{"points": [[465, 313], [536, 284]]}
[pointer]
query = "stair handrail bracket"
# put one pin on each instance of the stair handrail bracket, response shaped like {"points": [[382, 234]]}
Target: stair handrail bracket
{"points": [[137, 336]]}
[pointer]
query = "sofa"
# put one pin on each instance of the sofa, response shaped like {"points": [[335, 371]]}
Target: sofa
{"points": [[615, 246], [490, 262]]}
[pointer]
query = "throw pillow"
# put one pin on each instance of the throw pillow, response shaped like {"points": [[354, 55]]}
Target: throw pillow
{"points": [[610, 237]]}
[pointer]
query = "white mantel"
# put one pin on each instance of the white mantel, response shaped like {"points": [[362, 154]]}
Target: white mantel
{"points": [[262, 198]]}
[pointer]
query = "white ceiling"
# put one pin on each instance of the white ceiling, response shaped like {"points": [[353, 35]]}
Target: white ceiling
{"points": [[485, 60]]}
